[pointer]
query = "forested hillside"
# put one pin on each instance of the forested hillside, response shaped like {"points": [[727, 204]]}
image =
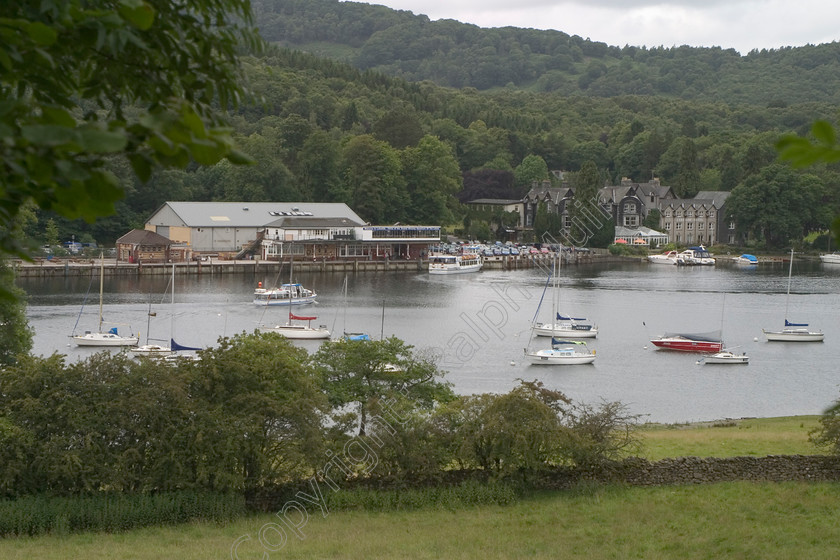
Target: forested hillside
{"points": [[399, 150], [454, 54]]}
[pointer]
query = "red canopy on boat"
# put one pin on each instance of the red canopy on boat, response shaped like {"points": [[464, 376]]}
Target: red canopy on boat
{"points": [[299, 318]]}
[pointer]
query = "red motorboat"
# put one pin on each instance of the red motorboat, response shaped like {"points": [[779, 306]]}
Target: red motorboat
{"points": [[685, 342]]}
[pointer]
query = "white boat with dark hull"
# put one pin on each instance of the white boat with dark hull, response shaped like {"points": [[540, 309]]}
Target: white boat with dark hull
{"points": [[793, 332], [562, 352], [455, 264], [108, 338]]}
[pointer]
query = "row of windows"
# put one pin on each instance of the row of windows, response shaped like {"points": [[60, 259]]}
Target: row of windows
{"points": [[688, 225], [689, 213]]}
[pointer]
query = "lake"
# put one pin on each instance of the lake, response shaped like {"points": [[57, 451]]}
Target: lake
{"points": [[477, 326]]}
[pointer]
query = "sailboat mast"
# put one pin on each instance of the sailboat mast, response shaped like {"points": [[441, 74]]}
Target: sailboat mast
{"points": [[101, 286], [790, 275]]}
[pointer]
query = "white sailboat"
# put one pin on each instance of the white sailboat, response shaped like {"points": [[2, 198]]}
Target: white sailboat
{"points": [[561, 352], [793, 332], [162, 350], [564, 326], [297, 331], [726, 355], [110, 337]]}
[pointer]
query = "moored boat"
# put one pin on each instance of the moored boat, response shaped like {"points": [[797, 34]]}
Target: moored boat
{"points": [[567, 327], [668, 257], [297, 330], [286, 294], [746, 260], [562, 352], [690, 342], [831, 258], [793, 332], [111, 337], [726, 357], [455, 264]]}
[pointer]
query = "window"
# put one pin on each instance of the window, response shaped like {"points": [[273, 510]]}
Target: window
{"points": [[679, 225], [629, 207], [701, 225], [689, 225], [731, 225], [712, 213], [631, 221], [667, 226], [667, 213], [689, 214]]}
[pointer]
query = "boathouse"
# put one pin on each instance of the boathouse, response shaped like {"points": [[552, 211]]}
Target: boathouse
{"points": [[143, 246]]}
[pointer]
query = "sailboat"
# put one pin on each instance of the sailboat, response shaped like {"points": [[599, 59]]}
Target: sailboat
{"points": [[350, 335], [111, 337], [297, 330], [564, 326], [160, 350], [561, 352], [725, 355], [793, 332]]}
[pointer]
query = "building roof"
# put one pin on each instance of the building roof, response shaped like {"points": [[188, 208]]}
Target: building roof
{"points": [[144, 237], [718, 198], [311, 222], [497, 201], [639, 231], [254, 214]]}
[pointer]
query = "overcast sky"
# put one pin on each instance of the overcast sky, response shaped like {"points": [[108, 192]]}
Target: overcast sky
{"points": [[740, 24]]}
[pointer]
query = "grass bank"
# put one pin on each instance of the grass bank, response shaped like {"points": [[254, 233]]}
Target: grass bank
{"points": [[732, 520]]}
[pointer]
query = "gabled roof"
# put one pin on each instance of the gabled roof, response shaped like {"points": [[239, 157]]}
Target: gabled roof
{"points": [[252, 214], [144, 237], [718, 198]]}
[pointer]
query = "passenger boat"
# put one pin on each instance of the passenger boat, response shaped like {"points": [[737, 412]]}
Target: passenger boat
{"points": [[286, 294], [669, 257], [455, 264], [695, 256], [562, 352], [690, 342], [793, 332]]}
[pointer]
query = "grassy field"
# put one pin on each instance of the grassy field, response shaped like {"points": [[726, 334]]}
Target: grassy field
{"points": [[730, 438], [732, 520]]}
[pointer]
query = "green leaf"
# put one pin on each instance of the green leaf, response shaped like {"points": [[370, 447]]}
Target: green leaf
{"points": [[98, 141], [48, 134], [58, 116], [824, 132], [42, 34], [139, 14], [141, 165], [237, 157]]}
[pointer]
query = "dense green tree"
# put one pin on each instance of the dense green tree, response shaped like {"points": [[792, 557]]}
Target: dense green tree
{"points": [[319, 167], [145, 79], [774, 205], [432, 178], [15, 333], [372, 179], [360, 374], [401, 128], [533, 168]]}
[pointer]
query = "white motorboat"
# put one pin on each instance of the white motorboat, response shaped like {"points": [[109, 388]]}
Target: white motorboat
{"points": [[726, 357], [831, 258], [695, 256], [746, 260], [793, 332], [455, 264], [111, 337], [152, 351], [669, 257], [562, 352]]}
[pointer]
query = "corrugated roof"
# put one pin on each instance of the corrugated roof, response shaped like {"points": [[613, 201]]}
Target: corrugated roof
{"points": [[309, 222], [255, 214]]}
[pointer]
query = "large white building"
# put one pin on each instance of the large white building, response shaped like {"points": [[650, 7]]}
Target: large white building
{"points": [[273, 230]]}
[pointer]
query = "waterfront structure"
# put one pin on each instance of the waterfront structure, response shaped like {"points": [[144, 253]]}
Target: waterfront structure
{"points": [[280, 230], [143, 246]]}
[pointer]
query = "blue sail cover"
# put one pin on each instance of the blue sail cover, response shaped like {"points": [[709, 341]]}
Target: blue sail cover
{"points": [[175, 346], [789, 324], [713, 336], [113, 330], [565, 318]]}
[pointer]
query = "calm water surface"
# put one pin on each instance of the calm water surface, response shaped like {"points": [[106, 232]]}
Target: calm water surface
{"points": [[478, 325]]}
